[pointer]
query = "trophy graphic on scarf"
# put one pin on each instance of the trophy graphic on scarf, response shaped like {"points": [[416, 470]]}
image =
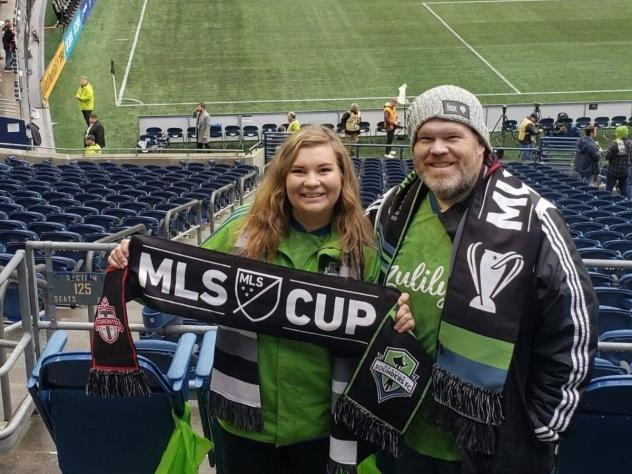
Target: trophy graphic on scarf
{"points": [[493, 273]]}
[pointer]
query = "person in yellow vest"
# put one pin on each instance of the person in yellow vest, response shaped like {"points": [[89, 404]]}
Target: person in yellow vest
{"points": [[390, 125], [527, 136], [85, 96], [92, 147], [293, 124], [352, 125]]}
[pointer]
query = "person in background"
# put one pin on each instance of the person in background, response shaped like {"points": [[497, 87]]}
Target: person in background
{"points": [[351, 123], [619, 156], [391, 122], [587, 156], [91, 147], [293, 124], [85, 97], [527, 136], [96, 130], [480, 253], [9, 46], [202, 126]]}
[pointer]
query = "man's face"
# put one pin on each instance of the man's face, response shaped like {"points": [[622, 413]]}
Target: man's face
{"points": [[92, 119], [449, 157], [83, 82]]}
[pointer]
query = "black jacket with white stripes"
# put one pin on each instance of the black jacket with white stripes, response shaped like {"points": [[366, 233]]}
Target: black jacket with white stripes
{"points": [[555, 348]]}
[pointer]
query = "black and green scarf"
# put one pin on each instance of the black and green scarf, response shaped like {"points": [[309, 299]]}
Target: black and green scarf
{"points": [[495, 247], [246, 296]]}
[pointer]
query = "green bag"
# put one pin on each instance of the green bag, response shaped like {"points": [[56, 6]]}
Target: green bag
{"points": [[186, 449]]}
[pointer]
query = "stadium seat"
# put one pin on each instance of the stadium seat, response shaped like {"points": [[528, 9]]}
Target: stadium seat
{"points": [[600, 279], [582, 122], [613, 319], [614, 298], [65, 218], [602, 122], [251, 131], [618, 120], [83, 426], [40, 227], [596, 440], [603, 235], [232, 132], [268, 127], [604, 368], [9, 224], [151, 223], [120, 213]]}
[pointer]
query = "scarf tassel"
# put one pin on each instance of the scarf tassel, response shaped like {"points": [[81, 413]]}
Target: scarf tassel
{"points": [[240, 416], [471, 413], [117, 384], [367, 426], [334, 467]]}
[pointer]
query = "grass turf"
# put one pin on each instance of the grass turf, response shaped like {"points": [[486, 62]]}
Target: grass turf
{"points": [[240, 50]]}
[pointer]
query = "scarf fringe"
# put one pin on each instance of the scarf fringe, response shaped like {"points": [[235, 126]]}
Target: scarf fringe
{"points": [[110, 384], [368, 427], [334, 467], [470, 412], [240, 416]]}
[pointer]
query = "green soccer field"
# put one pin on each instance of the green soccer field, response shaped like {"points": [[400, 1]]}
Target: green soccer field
{"points": [[274, 56]]}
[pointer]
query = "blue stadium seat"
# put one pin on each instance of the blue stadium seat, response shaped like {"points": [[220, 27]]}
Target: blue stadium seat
{"points": [[612, 319], [598, 253], [65, 218], [600, 279], [104, 221], [582, 243], [40, 227], [81, 425], [605, 368], [100, 205], [85, 229], [83, 211], [616, 357], [9, 224], [614, 298], [120, 213], [603, 235], [151, 223], [621, 245], [14, 239], [596, 441]]}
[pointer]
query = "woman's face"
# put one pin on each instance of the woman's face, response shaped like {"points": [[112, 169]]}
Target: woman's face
{"points": [[313, 185]]}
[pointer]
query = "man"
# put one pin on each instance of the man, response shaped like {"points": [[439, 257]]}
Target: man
{"points": [[9, 46], [351, 123], [619, 156], [527, 136], [85, 96], [499, 293], [390, 125], [587, 156], [95, 128], [92, 148], [202, 126]]}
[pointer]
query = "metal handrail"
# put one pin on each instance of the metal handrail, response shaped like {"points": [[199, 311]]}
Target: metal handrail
{"points": [[242, 184], [218, 192], [197, 204]]}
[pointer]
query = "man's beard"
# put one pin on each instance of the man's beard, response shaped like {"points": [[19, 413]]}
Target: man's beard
{"points": [[454, 186]]}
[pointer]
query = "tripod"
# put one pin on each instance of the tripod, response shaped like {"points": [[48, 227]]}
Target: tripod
{"points": [[505, 126]]}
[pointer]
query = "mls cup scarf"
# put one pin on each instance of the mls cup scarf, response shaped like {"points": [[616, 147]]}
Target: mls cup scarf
{"points": [[495, 250], [248, 296]]}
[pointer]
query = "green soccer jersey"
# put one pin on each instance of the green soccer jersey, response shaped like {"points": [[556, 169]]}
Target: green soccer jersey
{"points": [[421, 268]]}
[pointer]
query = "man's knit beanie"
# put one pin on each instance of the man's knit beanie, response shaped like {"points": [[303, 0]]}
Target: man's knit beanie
{"points": [[621, 132], [447, 103]]}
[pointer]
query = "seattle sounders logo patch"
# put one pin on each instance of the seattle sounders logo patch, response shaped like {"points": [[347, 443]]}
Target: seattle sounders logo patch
{"points": [[394, 374]]}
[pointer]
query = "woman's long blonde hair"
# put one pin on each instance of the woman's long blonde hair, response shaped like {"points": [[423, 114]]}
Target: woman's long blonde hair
{"points": [[271, 210]]}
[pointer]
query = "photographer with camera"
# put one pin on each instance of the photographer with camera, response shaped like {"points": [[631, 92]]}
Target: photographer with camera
{"points": [[527, 136]]}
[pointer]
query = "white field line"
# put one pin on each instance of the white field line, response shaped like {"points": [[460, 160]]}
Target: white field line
{"points": [[485, 94], [489, 1], [467, 45], [131, 53]]}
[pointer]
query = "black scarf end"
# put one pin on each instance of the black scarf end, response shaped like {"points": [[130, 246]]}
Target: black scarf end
{"points": [[334, 467], [367, 426], [240, 416], [114, 384], [470, 435]]}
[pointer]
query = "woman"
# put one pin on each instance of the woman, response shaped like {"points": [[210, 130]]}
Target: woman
{"points": [[305, 215]]}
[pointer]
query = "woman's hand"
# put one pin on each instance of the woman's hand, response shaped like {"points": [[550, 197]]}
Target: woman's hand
{"points": [[118, 257], [404, 320]]}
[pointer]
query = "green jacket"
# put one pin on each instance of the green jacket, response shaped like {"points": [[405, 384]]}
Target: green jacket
{"points": [[295, 377], [85, 96]]}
